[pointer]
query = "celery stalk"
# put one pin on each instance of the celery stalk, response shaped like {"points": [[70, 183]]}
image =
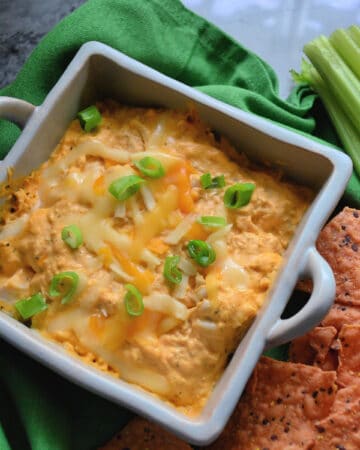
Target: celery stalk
{"points": [[354, 32], [340, 80], [347, 48], [348, 134]]}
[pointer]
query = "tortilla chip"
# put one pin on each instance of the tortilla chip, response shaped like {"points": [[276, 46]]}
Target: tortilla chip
{"points": [[304, 285], [300, 350], [316, 348], [339, 244], [140, 434], [341, 430], [340, 315], [278, 409], [349, 355]]}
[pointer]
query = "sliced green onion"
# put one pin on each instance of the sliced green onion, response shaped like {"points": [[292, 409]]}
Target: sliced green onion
{"points": [[64, 284], [201, 252], [171, 271], [133, 301], [28, 307], [89, 118], [207, 182], [72, 236], [238, 195], [212, 221], [150, 167], [125, 187]]}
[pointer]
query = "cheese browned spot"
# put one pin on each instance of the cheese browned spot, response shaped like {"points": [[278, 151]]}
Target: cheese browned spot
{"points": [[179, 346]]}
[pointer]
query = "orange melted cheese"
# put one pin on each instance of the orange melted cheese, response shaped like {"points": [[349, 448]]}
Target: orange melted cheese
{"points": [[178, 347]]}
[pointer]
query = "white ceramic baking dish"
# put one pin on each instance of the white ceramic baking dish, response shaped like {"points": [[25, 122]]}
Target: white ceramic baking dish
{"points": [[99, 71]]}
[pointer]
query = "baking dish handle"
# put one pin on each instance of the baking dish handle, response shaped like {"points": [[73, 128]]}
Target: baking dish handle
{"points": [[16, 110], [319, 303]]}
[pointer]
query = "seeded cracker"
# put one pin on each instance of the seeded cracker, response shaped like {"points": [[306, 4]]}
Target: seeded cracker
{"points": [[340, 315], [140, 434], [339, 244], [340, 430], [349, 355], [278, 410], [336, 244], [316, 348]]}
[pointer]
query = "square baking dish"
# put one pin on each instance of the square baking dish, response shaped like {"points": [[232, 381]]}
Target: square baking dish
{"points": [[98, 71]]}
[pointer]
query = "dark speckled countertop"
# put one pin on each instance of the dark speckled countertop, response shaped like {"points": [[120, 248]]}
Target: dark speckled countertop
{"points": [[22, 24]]}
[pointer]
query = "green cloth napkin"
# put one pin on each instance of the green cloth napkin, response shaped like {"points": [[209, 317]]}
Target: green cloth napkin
{"points": [[38, 409]]}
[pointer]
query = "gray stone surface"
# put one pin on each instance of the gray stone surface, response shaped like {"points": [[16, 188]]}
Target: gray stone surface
{"points": [[22, 24]]}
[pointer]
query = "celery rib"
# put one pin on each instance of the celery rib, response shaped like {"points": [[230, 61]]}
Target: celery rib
{"points": [[348, 134], [334, 73], [347, 49], [342, 82], [354, 32]]}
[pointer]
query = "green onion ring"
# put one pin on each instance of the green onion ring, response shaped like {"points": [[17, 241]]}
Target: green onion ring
{"points": [[28, 307], [171, 271], [201, 252], [72, 236], [63, 280], [133, 301], [207, 182], [150, 167], [238, 195], [125, 187], [212, 221], [89, 118]]}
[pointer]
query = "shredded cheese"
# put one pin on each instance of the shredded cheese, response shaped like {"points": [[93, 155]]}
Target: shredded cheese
{"points": [[18, 281], [175, 236], [166, 159], [13, 228], [206, 324], [148, 257], [234, 275], [115, 267], [154, 222], [219, 234], [181, 288], [158, 134], [187, 266], [104, 232], [201, 293], [148, 197], [91, 148], [166, 304], [135, 211], [144, 377], [167, 324], [120, 210], [218, 242], [141, 278]]}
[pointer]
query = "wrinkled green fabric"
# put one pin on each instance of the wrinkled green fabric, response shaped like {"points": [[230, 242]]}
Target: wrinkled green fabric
{"points": [[38, 409]]}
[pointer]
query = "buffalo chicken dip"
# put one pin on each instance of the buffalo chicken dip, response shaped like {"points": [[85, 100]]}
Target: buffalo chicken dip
{"points": [[146, 245]]}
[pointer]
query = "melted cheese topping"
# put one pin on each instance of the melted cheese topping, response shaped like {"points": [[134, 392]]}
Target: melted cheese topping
{"points": [[178, 347]]}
